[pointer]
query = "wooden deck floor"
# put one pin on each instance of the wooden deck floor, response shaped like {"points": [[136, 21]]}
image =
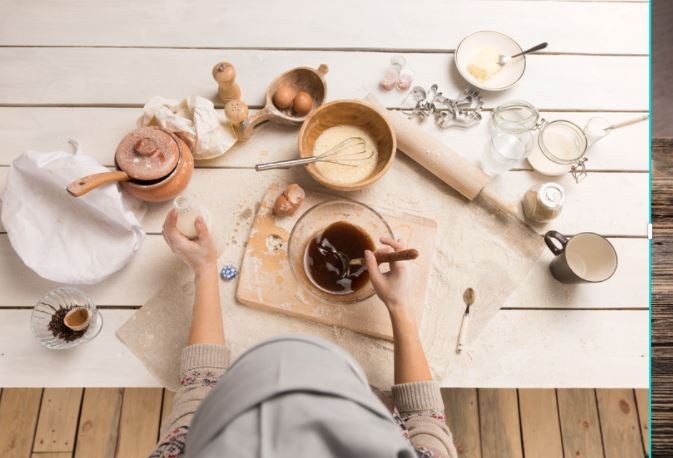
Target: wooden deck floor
{"points": [[502, 423]]}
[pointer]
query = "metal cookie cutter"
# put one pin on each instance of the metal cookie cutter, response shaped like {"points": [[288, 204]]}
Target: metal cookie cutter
{"points": [[464, 111]]}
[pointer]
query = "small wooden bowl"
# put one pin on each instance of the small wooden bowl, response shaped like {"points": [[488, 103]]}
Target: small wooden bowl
{"points": [[354, 113], [307, 79]]}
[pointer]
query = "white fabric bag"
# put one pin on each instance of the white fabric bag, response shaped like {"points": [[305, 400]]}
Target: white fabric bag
{"points": [[73, 240], [194, 119]]}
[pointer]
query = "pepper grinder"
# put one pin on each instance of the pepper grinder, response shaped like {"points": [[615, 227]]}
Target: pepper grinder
{"points": [[225, 75]]}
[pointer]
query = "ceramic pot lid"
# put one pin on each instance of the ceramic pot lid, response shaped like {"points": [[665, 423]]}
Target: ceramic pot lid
{"points": [[148, 153]]}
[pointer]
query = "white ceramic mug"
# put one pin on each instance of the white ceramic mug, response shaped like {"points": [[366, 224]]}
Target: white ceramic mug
{"points": [[584, 258]]}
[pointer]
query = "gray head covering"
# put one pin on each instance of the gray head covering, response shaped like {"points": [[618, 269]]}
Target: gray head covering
{"points": [[294, 397]]}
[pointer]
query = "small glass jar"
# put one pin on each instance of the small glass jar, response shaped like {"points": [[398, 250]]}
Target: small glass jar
{"points": [[505, 150], [543, 202], [515, 116]]}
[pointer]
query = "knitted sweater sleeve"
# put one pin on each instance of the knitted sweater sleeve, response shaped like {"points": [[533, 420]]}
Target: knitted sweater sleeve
{"points": [[421, 409], [201, 367]]}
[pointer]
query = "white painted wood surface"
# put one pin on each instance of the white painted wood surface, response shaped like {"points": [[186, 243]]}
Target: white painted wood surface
{"points": [[99, 129], [351, 24], [129, 76], [76, 69], [536, 348]]}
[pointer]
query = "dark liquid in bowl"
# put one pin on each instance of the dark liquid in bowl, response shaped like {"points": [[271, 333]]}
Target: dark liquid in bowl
{"points": [[325, 268]]}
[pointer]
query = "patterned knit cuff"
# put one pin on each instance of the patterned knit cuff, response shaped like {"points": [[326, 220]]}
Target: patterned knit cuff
{"points": [[418, 397], [200, 356]]}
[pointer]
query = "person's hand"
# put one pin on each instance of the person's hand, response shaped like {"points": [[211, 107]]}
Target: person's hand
{"points": [[200, 253], [391, 287]]}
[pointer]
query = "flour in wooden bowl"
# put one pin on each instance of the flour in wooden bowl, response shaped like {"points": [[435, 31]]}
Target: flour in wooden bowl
{"points": [[351, 170]]}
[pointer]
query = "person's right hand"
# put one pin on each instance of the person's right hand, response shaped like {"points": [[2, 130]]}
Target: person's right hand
{"points": [[391, 287], [200, 253]]}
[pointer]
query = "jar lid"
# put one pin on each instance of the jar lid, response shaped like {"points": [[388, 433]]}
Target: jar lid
{"points": [[562, 142], [148, 153], [516, 116], [552, 195]]}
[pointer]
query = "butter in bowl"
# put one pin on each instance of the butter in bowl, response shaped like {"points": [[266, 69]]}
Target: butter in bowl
{"points": [[478, 61]]}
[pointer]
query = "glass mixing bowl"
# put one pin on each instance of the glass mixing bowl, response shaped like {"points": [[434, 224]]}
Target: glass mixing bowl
{"points": [[313, 222]]}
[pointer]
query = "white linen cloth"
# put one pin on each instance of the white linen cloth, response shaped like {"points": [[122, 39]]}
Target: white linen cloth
{"points": [[66, 239], [194, 119]]}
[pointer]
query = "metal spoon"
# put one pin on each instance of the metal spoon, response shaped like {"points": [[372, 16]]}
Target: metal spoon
{"points": [[325, 248], [504, 60], [468, 297]]}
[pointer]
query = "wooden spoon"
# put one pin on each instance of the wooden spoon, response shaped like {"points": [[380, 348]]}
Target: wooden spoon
{"points": [[402, 255]]}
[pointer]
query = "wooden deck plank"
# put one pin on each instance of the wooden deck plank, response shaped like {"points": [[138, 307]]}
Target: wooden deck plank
{"points": [[99, 130], [580, 426], [166, 407], [99, 423], [417, 25], [499, 423], [643, 404], [462, 416], [57, 424], [619, 423], [19, 409], [52, 455], [540, 428], [139, 423], [100, 76]]}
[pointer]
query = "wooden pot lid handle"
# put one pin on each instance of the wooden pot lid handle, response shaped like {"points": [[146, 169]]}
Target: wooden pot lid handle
{"points": [[83, 185]]}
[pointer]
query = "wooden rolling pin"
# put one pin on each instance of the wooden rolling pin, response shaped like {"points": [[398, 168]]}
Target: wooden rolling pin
{"points": [[442, 161]]}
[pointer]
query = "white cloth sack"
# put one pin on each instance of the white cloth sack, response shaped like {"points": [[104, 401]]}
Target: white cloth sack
{"points": [[194, 120], [74, 240]]}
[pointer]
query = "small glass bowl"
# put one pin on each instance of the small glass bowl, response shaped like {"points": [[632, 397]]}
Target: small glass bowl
{"points": [[50, 304], [316, 219]]}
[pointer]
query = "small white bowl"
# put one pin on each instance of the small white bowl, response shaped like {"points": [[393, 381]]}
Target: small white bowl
{"points": [[508, 76]]}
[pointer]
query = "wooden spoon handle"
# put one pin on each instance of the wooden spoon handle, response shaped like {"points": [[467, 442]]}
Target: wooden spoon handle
{"points": [[83, 185], [403, 255]]}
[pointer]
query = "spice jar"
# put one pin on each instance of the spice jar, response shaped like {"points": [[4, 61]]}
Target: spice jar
{"points": [[543, 202]]}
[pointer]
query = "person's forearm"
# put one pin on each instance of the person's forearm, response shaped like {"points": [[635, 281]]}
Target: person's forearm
{"points": [[411, 364], [207, 326]]}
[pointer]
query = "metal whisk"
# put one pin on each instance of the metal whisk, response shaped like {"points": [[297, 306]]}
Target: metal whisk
{"points": [[352, 149]]}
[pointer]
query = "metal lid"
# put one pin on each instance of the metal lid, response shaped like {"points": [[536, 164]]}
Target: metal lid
{"points": [[551, 195], [148, 153]]}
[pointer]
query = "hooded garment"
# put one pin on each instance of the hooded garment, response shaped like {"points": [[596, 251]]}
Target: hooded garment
{"points": [[307, 398]]}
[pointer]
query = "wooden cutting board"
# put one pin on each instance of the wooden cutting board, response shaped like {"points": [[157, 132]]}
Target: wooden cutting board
{"points": [[267, 283]]}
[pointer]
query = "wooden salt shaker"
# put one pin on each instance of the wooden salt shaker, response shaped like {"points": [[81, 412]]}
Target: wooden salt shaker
{"points": [[225, 75], [236, 112]]}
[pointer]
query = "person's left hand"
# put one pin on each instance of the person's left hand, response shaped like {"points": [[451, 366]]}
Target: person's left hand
{"points": [[200, 253]]}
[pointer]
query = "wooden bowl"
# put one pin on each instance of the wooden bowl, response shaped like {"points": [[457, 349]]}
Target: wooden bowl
{"points": [[311, 80], [354, 113]]}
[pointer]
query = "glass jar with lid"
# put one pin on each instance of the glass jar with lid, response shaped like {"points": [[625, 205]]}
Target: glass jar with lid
{"points": [[516, 116]]}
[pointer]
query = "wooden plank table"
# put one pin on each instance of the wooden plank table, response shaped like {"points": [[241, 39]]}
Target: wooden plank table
{"points": [[75, 69]]}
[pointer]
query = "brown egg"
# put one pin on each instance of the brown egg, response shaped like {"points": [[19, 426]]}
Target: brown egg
{"points": [[289, 201], [284, 96], [303, 103]]}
